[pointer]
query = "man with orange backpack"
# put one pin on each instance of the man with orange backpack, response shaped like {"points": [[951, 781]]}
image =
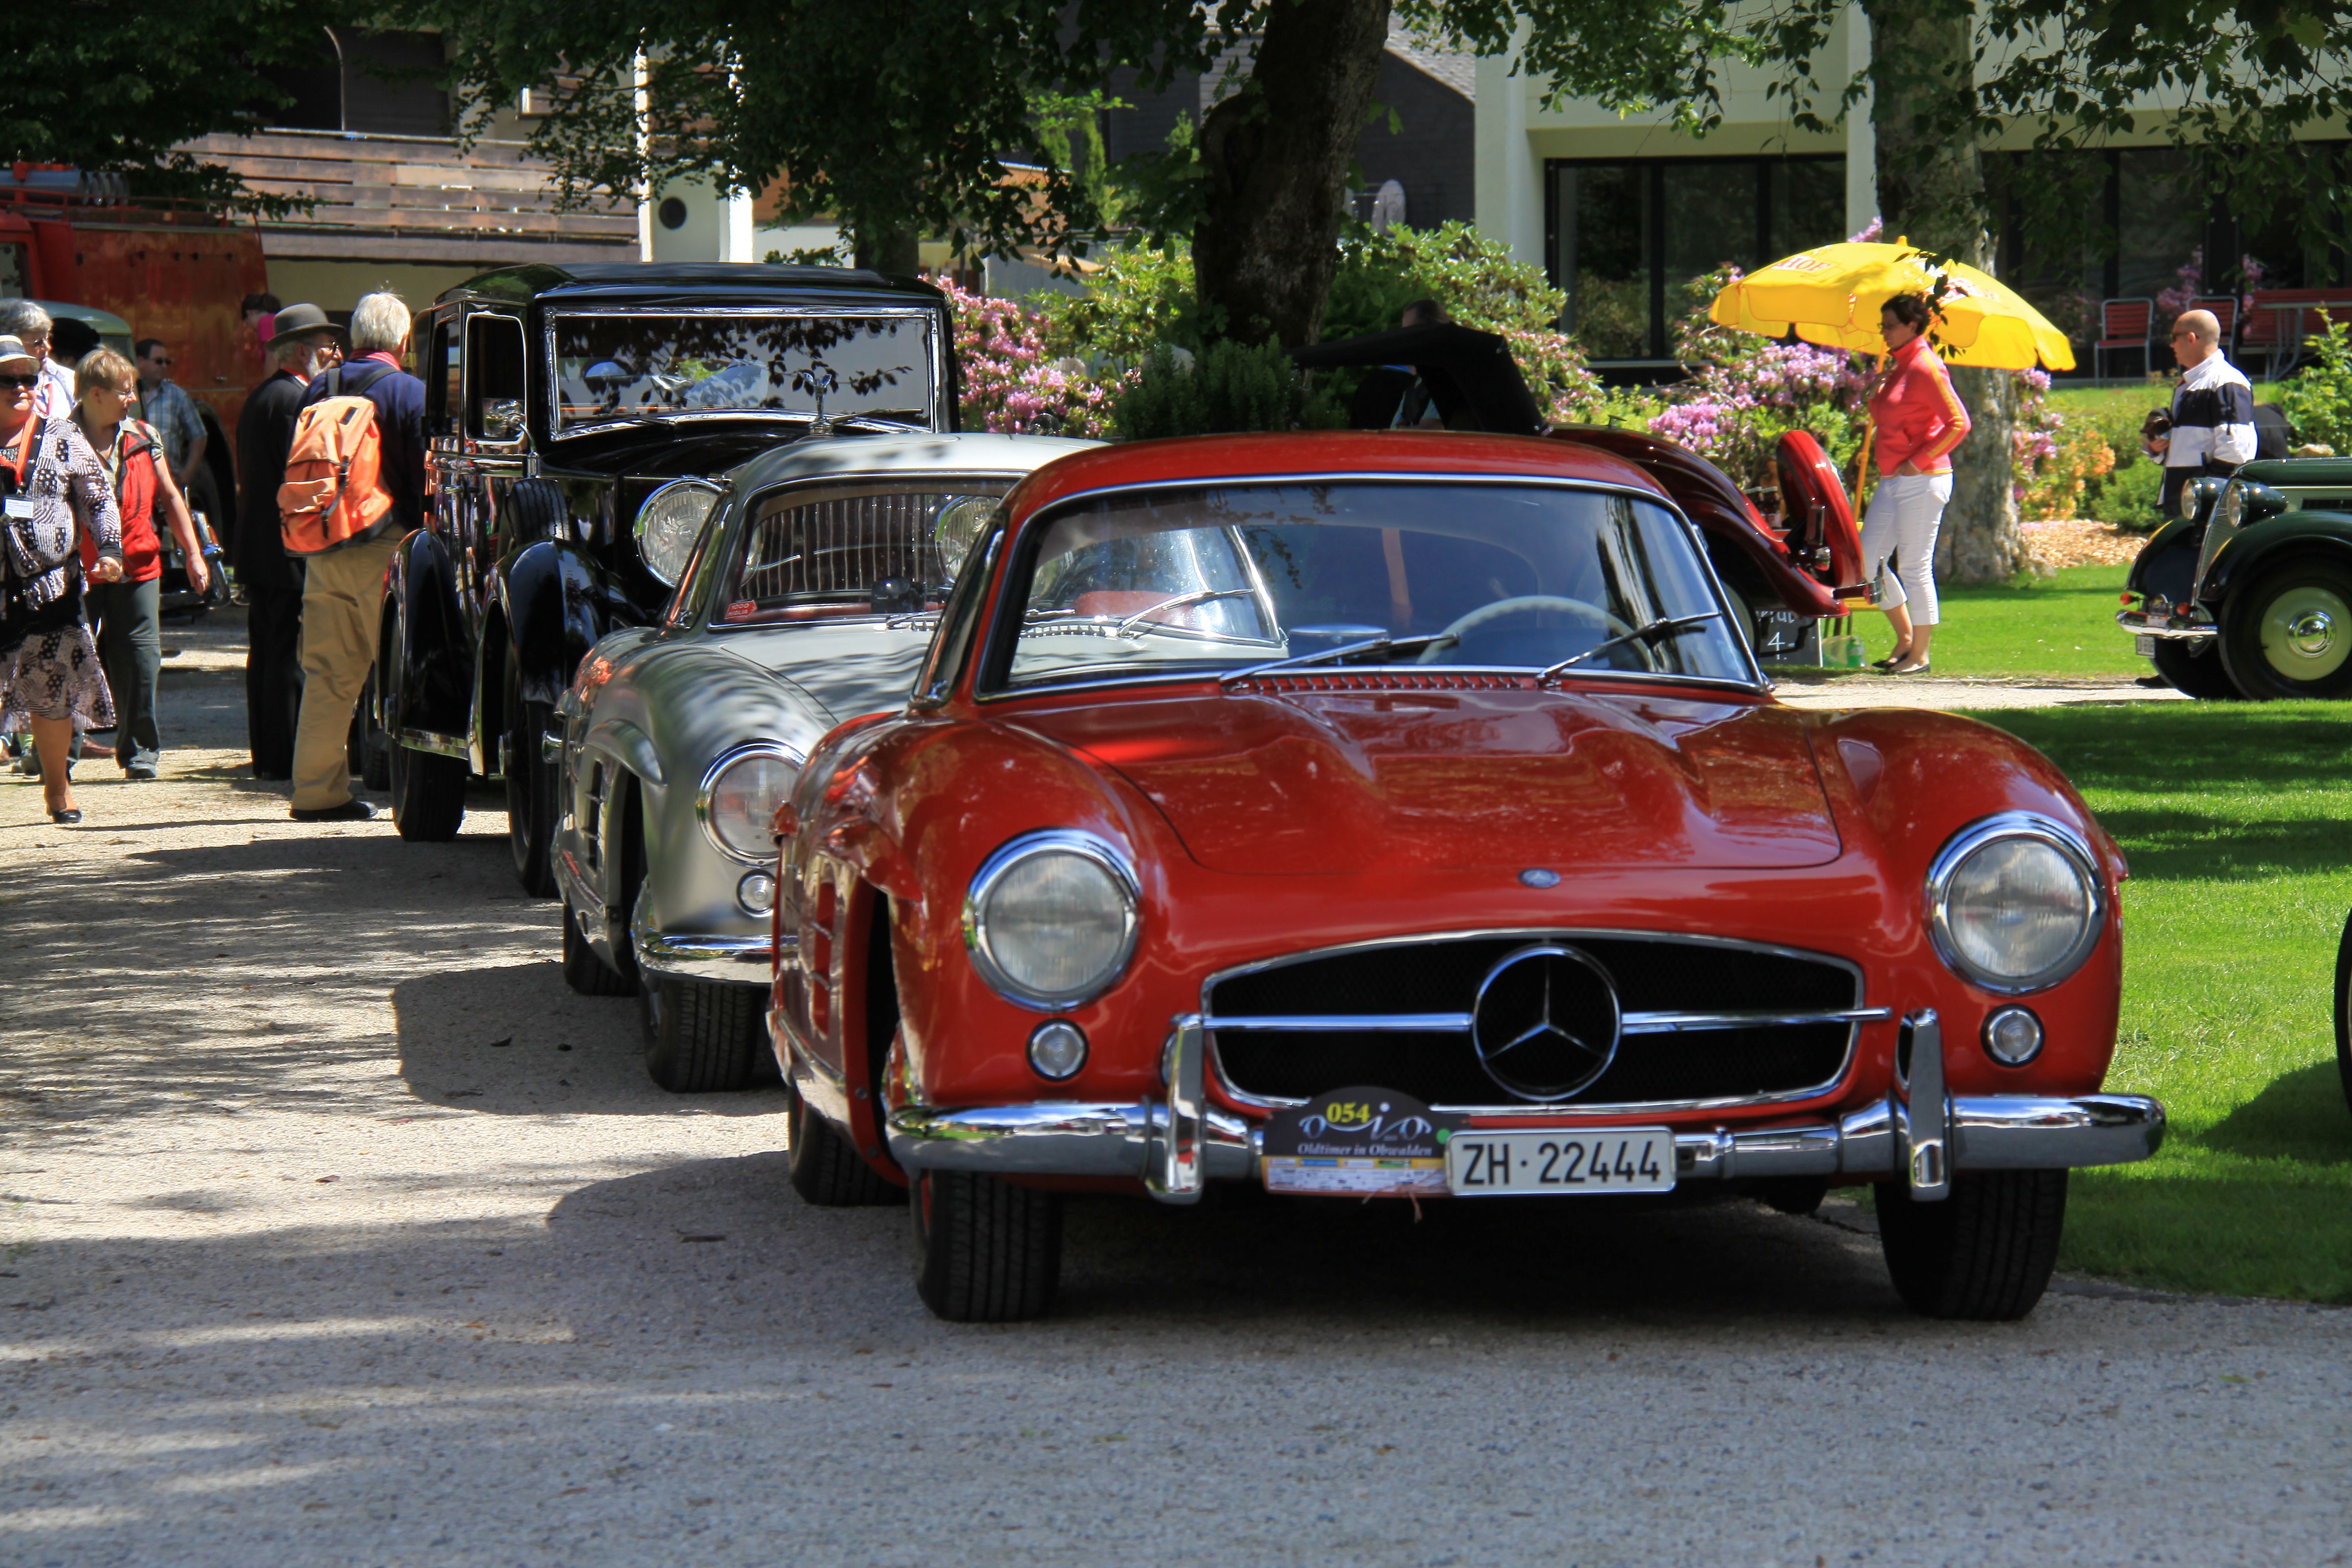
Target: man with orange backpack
{"points": [[355, 485]]}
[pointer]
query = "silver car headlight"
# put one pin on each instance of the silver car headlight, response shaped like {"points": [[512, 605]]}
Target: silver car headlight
{"points": [[738, 797], [1051, 919], [2015, 902], [669, 523]]}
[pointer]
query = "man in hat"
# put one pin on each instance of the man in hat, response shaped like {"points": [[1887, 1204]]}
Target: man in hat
{"points": [[303, 347]]}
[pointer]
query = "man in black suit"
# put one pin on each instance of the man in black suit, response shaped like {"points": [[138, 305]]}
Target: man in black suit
{"points": [[303, 347]]}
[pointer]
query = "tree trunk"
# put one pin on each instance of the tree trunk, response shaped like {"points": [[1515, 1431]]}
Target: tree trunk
{"points": [[882, 244], [1931, 191], [1276, 155]]}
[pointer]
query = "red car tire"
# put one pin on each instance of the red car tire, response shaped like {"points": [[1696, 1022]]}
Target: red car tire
{"points": [[989, 1252], [1985, 1253]]}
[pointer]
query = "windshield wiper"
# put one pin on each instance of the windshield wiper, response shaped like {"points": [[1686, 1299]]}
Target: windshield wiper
{"points": [[1198, 597], [1674, 626], [1345, 650]]}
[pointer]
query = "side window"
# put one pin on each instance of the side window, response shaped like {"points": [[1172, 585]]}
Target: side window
{"points": [[959, 617], [441, 398], [494, 378]]}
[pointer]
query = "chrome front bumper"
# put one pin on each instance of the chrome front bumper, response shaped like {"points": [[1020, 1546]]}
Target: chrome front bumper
{"points": [[1919, 1132], [2140, 624]]}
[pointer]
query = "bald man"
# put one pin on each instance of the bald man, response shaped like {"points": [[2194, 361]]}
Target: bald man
{"points": [[2212, 410]]}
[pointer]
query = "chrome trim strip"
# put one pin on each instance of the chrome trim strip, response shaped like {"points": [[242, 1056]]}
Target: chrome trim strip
{"points": [[1989, 830], [439, 742], [1078, 1138], [727, 759], [1859, 1013], [2135, 623], [1311, 1023], [1923, 1112]]}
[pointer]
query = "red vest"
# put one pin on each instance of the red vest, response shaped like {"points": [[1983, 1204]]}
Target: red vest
{"points": [[132, 466]]}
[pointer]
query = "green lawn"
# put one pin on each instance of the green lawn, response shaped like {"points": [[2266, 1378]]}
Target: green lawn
{"points": [[2238, 823], [2061, 625]]}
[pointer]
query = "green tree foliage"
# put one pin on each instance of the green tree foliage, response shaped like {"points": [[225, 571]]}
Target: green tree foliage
{"points": [[901, 120], [112, 87], [1229, 387], [2317, 401]]}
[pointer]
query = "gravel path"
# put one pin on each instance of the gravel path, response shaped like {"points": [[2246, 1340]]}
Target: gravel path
{"points": [[338, 1232]]}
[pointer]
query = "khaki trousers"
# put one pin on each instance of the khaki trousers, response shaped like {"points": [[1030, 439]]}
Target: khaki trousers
{"points": [[342, 607]]}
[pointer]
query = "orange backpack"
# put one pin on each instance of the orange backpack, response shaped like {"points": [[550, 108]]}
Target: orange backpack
{"points": [[334, 489]]}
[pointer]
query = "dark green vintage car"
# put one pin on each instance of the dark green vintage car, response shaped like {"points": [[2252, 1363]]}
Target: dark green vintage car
{"points": [[2250, 593]]}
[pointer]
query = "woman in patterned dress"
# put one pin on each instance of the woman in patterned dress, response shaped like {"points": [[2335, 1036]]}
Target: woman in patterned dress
{"points": [[53, 490]]}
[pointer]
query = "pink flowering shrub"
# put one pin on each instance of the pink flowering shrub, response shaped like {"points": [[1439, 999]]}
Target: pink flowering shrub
{"points": [[1010, 387]]}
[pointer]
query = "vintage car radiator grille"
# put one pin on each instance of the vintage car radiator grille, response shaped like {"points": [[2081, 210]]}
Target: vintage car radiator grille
{"points": [[1702, 1021], [843, 545]]}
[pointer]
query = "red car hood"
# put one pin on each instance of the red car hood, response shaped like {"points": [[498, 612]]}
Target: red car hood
{"points": [[1324, 782]]}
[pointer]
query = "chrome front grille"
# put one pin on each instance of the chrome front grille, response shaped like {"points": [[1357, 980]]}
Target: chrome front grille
{"points": [[843, 545], [1704, 1022]]}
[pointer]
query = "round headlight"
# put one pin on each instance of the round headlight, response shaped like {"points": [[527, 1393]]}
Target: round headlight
{"points": [[959, 526], [2232, 509], [669, 523], [738, 799], [1051, 919], [2015, 903]]}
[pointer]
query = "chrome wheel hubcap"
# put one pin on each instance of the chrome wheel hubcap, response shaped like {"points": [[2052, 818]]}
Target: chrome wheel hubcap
{"points": [[2305, 632]]}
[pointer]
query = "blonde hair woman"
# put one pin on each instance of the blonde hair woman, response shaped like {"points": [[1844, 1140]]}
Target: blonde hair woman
{"points": [[128, 613]]}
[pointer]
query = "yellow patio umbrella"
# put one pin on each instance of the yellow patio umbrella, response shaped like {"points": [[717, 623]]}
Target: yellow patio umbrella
{"points": [[1832, 295]]}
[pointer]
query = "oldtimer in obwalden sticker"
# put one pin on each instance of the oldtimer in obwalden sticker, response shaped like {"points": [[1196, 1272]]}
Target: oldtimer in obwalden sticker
{"points": [[1358, 1142]]}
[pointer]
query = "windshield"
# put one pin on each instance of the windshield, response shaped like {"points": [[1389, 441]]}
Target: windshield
{"points": [[1485, 575], [856, 548], [873, 365]]}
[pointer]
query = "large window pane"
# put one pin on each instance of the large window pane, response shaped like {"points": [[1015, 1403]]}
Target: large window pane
{"points": [[1808, 204], [1710, 219], [2159, 220], [1604, 263]]}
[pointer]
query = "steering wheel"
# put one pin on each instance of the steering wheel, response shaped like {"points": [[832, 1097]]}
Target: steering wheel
{"points": [[1610, 626]]}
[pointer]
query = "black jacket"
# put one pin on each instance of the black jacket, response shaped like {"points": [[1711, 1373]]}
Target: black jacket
{"points": [[264, 432]]}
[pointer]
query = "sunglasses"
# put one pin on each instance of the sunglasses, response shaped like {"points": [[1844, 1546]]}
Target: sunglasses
{"points": [[164, 360], [19, 383]]}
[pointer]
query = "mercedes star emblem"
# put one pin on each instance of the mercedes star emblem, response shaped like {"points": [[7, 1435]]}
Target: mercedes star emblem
{"points": [[1544, 1024]]}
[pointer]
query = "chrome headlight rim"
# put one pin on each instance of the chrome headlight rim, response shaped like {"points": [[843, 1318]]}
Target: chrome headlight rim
{"points": [[2000, 827], [708, 788], [995, 869], [644, 509]]}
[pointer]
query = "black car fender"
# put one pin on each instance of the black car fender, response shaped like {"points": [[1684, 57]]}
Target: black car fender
{"points": [[2318, 535], [552, 603], [423, 623]]}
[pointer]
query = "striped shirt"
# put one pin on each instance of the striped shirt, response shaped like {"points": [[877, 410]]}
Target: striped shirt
{"points": [[2213, 415]]}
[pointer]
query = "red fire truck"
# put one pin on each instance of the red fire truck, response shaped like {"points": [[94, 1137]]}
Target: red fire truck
{"points": [[180, 276]]}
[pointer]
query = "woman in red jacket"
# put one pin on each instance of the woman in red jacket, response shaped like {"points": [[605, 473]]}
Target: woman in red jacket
{"points": [[1916, 421]]}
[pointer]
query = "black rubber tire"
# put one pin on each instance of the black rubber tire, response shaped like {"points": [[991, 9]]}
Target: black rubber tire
{"points": [[2193, 674], [429, 790], [583, 970], [374, 765], [825, 1171], [1985, 1253], [429, 795], [986, 1251], [2250, 666], [2343, 1010], [531, 790], [702, 1036]]}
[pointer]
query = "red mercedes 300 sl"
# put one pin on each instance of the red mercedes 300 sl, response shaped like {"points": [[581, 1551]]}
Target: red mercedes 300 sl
{"points": [[1366, 815]]}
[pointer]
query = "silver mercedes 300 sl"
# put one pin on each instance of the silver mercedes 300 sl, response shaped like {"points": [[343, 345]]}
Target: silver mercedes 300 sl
{"points": [[809, 600]]}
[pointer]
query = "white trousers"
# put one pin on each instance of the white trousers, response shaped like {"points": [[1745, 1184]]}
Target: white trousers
{"points": [[1906, 511]]}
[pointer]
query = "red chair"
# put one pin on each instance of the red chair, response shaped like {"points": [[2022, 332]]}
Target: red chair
{"points": [[2125, 326], [2279, 321]]}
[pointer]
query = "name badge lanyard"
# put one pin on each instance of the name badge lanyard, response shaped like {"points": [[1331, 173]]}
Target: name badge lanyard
{"points": [[28, 443]]}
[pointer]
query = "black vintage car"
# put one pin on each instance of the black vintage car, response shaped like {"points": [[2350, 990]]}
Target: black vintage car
{"points": [[2249, 593], [575, 414]]}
